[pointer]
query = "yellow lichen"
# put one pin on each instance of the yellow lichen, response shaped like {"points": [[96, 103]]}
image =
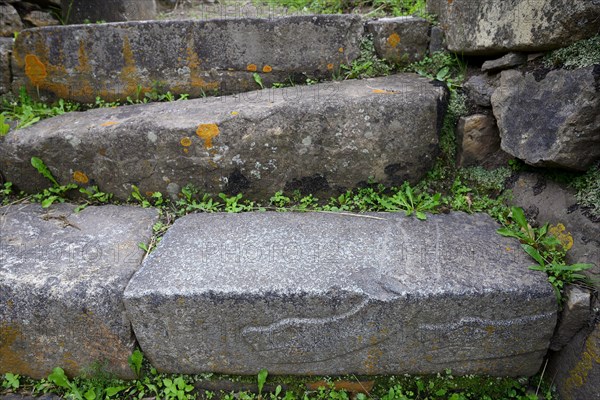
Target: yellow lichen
{"points": [[393, 40], [565, 238], [207, 132], [186, 142], [80, 177], [251, 67]]}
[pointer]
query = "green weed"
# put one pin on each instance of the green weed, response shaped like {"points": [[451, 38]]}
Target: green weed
{"points": [[546, 250], [367, 65]]}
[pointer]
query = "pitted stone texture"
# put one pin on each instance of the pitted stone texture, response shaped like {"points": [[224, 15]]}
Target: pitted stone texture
{"points": [[195, 57], [321, 138], [10, 22], [6, 45], [81, 11], [492, 26], [574, 316], [401, 40], [314, 293], [550, 122], [62, 277]]}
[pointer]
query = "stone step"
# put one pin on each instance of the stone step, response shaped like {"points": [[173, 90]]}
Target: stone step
{"points": [[62, 277], [113, 61], [321, 138], [319, 293]]}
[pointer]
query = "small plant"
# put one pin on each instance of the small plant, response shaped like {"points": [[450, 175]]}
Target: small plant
{"points": [[4, 127], [177, 389], [258, 80], [11, 381], [367, 65], [583, 53], [135, 362], [262, 378], [547, 250], [56, 193], [405, 200]]}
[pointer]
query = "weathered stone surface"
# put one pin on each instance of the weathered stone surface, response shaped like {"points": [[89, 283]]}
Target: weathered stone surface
{"points": [[320, 138], [39, 18], [80, 11], [114, 61], [316, 293], [10, 22], [479, 89], [437, 40], [552, 122], [401, 40], [576, 368], [548, 201], [62, 276], [573, 317], [5, 75], [492, 26], [478, 139], [505, 62]]}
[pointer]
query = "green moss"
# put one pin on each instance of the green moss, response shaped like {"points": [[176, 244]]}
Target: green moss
{"points": [[588, 191], [578, 55]]}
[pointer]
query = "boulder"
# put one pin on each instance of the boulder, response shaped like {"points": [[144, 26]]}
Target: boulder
{"points": [[479, 141], [506, 62], [10, 21], [491, 27], [194, 57], [437, 40], [574, 316], [82, 11], [320, 138], [552, 121], [315, 293], [576, 368], [479, 89], [401, 40], [38, 18], [62, 276]]}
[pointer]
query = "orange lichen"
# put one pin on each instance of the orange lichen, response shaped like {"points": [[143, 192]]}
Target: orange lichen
{"points": [[330, 66], [186, 142], [80, 177], [383, 91], [207, 132], [393, 40], [35, 69], [267, 68], [109, 123], [251, 67]]}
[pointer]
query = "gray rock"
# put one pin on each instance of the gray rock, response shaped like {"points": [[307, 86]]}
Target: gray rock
{"points": [[505, 62], [320, 138], [80, 11], [314, 293], [492, 26], [6, 45], [479, 89], [10, 21], [576, 368], [478, 141], [548, 201], [437, 40], [62, 276], [194, 57], [401, 40], [550, 122], [574, 316], [38, 18]]}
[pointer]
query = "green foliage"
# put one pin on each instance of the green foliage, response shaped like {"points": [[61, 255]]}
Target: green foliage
{"points": [[135, 362], [27, 111], [262, 378], [177, 389], [258, 80], [4, 127], [405, 200], [441, 66], [56, 193], [373, 7], [11, 381], [6, 190], [588, 191], [367, 65], [583, 53], [546, 250]]}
